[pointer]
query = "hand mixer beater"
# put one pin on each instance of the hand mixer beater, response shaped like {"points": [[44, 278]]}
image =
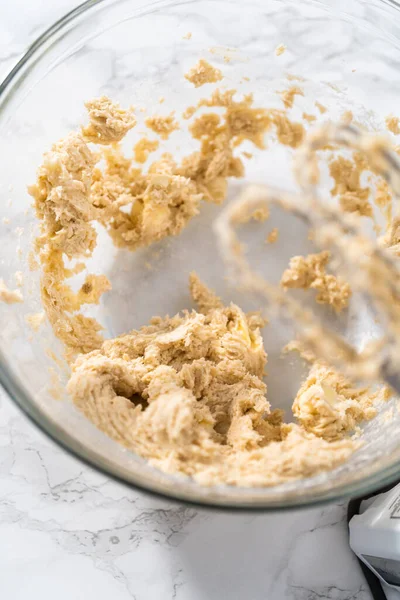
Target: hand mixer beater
{"points": [[371, 268]]}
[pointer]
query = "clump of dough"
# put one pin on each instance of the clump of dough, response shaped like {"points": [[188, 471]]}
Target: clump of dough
{"points": [[259, 214], [347, 117], [108, 122], [187, 393], [19, 278], [160, 202], [189, 112], [62, 197], [346, 175], [384, 199], [219, 135], [329, 406], [288, 95], [308, 117], [273, 235], [66, 211], [162, 126], [322, 109], [143, 148], [307, 272], [203, 72], [383, 196], [279, 50], [140, 208], [35, 320], [9, 296], [211, 166], [205, 299], [393, 124], [289, 133]]}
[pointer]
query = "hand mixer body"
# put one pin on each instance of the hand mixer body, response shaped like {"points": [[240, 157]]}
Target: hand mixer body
{"points": [[375, 536]]}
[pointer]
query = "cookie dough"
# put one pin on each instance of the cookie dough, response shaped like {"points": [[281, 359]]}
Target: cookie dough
{"points": [[273, 235], [329, 406], [187, 393], [35, 320], [9, 296], [309, 272], [308, 117], [353, 197], [280, 49], [109, 123], [288, 95], [143, 148], [136, 207], [203, 73], [393, 124], [162, 126], [321, 107], [64, 207]]}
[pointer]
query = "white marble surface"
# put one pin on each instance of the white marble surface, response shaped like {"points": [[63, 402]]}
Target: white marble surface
{"points": [[70, 533], [67, 530]]}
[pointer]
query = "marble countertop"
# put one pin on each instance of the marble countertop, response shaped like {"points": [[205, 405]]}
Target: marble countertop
{"points": [[69, 532]]}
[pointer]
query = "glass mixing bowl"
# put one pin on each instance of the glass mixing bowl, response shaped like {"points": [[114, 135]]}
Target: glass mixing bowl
{"points": [[137, 51]]}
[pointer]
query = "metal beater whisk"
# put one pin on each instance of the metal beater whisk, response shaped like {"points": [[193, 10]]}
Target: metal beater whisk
{"points": [[371, 269]]}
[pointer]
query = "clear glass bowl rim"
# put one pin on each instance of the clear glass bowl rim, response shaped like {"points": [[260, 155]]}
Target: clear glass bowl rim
{"points": [[21, 398]]}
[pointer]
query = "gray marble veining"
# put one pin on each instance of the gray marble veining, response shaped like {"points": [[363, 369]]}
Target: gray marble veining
{"points": [[75, 533]]}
